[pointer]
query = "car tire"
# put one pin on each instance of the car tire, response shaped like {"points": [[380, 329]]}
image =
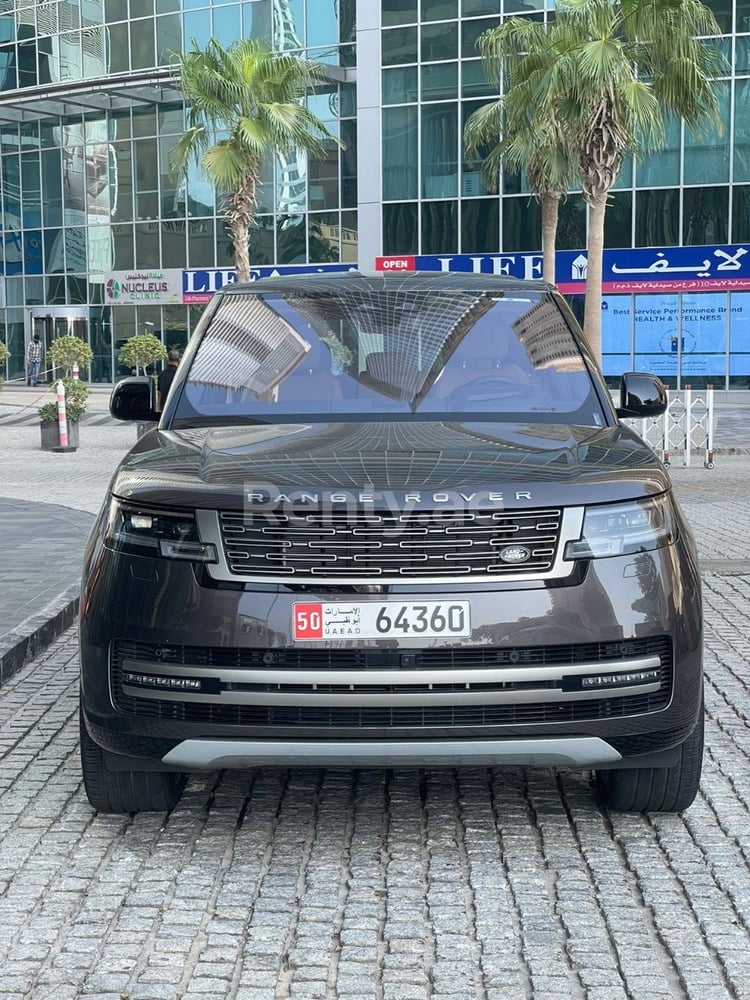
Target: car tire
{"points": [[656, 789], [126, 791]]}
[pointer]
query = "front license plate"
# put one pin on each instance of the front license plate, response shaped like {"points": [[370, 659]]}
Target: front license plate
{"points": [[391, 619]]}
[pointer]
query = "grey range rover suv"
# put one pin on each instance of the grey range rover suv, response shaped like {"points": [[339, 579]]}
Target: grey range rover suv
{"points": [[390, 521]]}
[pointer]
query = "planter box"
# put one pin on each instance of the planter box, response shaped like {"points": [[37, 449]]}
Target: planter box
{"points": [[51, 435]]}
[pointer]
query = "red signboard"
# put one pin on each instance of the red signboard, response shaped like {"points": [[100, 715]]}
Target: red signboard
{"points": [[395, 263]]}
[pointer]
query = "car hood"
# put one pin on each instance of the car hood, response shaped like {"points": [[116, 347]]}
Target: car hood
{"points": [[527, 465]]}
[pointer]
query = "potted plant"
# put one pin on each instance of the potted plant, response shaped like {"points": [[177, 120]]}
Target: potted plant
{"points": [[64, 353], [76, 394]]}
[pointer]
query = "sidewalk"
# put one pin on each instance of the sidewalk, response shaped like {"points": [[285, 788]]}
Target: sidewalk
{"points": [[48, 502]]}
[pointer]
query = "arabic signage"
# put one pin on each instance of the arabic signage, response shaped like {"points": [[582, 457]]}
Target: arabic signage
{"points": [[655, 333], [659, 269], [132, 288], [198, 286]]}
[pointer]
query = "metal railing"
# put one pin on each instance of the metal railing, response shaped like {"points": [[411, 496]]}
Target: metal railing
{"points": [[687, 426]]}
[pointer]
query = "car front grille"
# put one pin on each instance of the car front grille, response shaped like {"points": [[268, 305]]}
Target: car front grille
{"points": [[323, 706], [418, 545]]}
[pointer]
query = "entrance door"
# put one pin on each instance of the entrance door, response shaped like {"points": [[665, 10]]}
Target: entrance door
{"points": [[53, 322]]}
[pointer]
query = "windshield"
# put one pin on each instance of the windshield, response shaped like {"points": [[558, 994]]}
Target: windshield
{"points": [[363, 350]]}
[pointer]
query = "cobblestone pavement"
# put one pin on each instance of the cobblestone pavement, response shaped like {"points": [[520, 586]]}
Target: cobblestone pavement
{"points": [[400, 885], [377, 885]]}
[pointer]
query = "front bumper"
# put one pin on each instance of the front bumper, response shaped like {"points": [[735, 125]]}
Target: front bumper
{"points": [[506, 694]]}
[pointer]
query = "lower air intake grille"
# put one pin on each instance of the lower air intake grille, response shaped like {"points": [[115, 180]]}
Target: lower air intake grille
{"points": [[360, 719]]}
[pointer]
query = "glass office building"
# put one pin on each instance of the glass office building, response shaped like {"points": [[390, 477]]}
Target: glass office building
{"points": [[100, 240]]}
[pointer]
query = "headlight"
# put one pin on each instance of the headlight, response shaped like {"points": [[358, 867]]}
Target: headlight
{"points": [[621, 528], [141, 531]]}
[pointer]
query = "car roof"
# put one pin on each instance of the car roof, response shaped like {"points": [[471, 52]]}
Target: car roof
{"points": [[377, 281]]}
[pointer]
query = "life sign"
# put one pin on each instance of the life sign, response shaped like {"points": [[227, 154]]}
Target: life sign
{"points": [[658, 269]]}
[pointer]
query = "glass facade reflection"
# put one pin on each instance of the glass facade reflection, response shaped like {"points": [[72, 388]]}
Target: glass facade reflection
{"points": [[89, 112]]}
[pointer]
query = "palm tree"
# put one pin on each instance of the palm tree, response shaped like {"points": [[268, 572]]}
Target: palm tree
{"points": [[245, 102], [610, 72], [519, 136]]}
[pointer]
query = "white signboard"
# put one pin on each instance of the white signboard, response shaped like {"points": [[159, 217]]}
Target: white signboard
{"points": [[146, 287]]}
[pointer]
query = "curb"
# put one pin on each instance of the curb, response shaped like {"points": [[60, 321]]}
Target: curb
{"points": [[31, 638]]}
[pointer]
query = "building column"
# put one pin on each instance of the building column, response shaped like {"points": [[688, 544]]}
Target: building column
{"points": [[369, 138]]}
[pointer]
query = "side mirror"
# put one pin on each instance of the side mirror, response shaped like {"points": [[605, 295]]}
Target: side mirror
{"points": [[641, 395], [134, 399]]}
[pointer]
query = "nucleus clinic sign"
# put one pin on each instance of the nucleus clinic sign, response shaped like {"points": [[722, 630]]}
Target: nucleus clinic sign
{"points": [[145, 287], [659, 269]]}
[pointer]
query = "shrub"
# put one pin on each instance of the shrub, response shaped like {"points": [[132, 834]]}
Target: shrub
{"points": [[67, 350], [142, 350]]}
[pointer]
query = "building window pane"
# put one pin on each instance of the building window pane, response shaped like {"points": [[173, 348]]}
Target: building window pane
{"points": [[256, 19], [471, 8], [51, 187], [261, 243], [399, 12], [741, 214], [400, 85], [142, 44], [742, 54], [521, 224], [323, 179], [707, 156], [400, 228], [618, 221], [743, 15], [722, 11], [399, 46], [349, 237], [439, 227], [474, 80], [439, 41], [439, 10], [123, 241], [196, 25], [400, 157], [739, 340], [201, 243], [323, 238], [705, 215], [227, 22], [173, 248], [480, 225], [119, 48], [741, 131], [470, 32], [440, 152], [348, 157], [662, 169], [439, 81], [571, 224], [657, 218]]}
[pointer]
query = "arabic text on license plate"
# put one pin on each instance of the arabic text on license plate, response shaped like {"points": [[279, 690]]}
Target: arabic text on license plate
{"points": [[430, 619]]}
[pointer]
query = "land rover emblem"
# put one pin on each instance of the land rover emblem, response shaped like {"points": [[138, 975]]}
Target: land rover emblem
{"points": [[514, 554]]}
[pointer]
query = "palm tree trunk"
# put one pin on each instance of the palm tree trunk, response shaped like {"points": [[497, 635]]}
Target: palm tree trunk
{"points": [[592, 320], [239, 219], [550, 205]]}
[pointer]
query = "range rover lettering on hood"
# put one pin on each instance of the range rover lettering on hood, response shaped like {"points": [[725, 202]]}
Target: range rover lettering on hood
{"points": [[461, 497]]}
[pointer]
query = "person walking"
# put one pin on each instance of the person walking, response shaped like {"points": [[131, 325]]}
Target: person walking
{"points": [[166, 377], [33, 361]]}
